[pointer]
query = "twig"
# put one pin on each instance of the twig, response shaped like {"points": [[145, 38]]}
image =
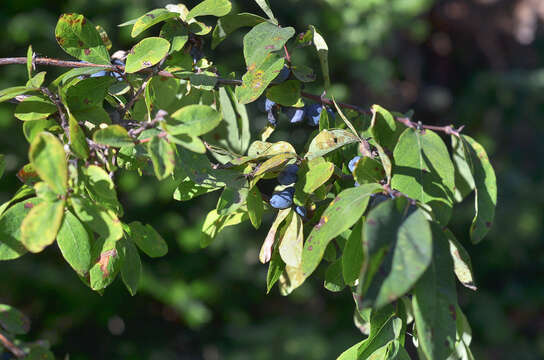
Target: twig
{"points": [[11, 346], [450, 130], [58, 104]]}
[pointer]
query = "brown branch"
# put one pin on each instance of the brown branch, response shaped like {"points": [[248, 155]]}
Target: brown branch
{"points": [[450, 130], [11, 346]]}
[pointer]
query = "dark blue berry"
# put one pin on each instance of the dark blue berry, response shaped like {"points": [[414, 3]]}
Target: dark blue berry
{"points": [[282, 199], [273, 117], [295, 115], [99, 74], [289, 175], [268, 105], [301, 210], [282, 76], [313, 112], [353, 163]]}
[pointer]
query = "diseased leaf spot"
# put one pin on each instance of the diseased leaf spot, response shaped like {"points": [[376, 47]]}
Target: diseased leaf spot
{"points": [[269, 47], [87, 51], [310, 248], [29, 205], [371, 222], [150, 15], [488, 224], [105, 258], [146, 63], [80, 43]]}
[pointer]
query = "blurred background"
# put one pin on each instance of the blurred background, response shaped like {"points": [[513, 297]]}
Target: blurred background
{"points": [[474, 62]]}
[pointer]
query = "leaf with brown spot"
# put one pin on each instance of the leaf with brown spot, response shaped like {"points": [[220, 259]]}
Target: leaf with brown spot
{"points": [[352, 203], [106, 263], [329, 140], [79, 38]]}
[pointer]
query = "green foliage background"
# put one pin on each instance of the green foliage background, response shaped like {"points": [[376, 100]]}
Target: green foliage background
{"points": [[461, 62]]}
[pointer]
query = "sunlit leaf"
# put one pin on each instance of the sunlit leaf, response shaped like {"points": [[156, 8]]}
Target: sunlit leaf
{"points": [[79, 38], [210, 7], [41, 225], [149, 19], [49, 160], [146, 53]]}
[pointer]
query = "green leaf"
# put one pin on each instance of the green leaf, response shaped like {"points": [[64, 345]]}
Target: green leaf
{"points": [[434, 301], [199, 28], [266, 8], [48, 158], [291, 242], [11, 246], [78, 140], [113, 135], [148, 240], [131, 265], [103, 222], [258, 77], [100, 187], [334, 280], [10, 93], [424, 171], [255, 207], [13, 321], [146, 53], [29, 58], [215, 223], [368, 170], [263, 63], [287, 93], [384, 328], [351, 353], [33, 128], [23, 192], [151, 18], [78, 37], [303, 73], [194, 120], [262, 40], [352, 257], [485, 185], [36, 81], [232, 198], [383, 129], [87, 94], [188, 190], [40, 227], [461, 261], [44, 192], [190, 142], [75, 244], [176, 33], [323, 55], [210, 7], [230, 23], [340, 215], [319, 171], [464, 182], [329, 140], [107, 263], [162, 156], [398, 248], [275, 269], [233, 132], [268, 245]]}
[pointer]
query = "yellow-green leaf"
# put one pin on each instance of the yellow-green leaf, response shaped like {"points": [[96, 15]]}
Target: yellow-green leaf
{"points": [[48, 158], [40, 227]]}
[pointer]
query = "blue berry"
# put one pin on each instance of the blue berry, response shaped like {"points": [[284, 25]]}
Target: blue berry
{"points": [[288, 175], [268, 105], [273, 117], [353, 163], [99, 74], [301, 210], [282, 199], [282, 76], [295, 115], [313, 112], [356, 184]]}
